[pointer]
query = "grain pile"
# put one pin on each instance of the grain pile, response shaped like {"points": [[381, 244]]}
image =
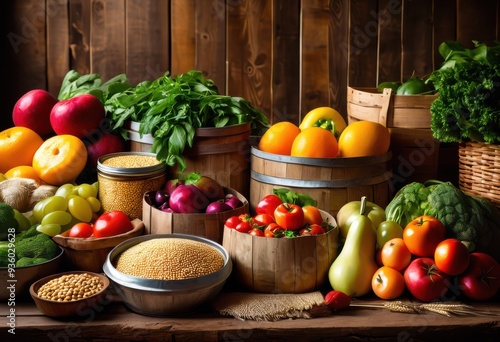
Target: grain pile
{"points": [[169, 259]]}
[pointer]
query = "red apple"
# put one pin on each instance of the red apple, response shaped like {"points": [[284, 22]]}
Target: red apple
{"points": [[79, 116], [32, 110], [481, 280], [107, 143]]}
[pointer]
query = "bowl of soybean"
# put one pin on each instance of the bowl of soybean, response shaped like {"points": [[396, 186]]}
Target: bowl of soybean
{"points": [[70, 294], [168, 274]]}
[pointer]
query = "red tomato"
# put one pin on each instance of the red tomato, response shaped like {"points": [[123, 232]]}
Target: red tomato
{"points": [[481, 280], [395, 254], [81, 230], [112, 223], [243, 227], [451, 257], [263, 219], [312, 215], [423, 234], [388, 283], [425, 281], [232, 221], [245, 217], [274, 231], [337, 300], [313, 229], [289, 216], [268, 204], [256, 232]]}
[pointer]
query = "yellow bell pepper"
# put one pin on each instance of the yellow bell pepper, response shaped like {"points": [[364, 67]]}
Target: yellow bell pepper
{"points": [[324, 117]]}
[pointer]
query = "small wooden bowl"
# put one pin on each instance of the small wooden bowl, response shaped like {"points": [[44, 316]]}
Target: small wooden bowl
{"points": [[89, 254], [79, 307]]}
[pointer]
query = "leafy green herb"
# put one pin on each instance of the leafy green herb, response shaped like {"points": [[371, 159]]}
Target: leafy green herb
{"points": [[171, 108], [468, 105], [290, 196], [75, 84]]}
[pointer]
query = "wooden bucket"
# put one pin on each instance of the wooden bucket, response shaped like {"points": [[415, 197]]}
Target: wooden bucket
{"points": [[282, 265], [89, 254], [209, 226], [331, 181], [219, 153], [415, 151]]}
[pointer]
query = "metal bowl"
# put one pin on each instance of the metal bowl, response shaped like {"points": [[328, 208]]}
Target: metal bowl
{"points": [[166, 297]]}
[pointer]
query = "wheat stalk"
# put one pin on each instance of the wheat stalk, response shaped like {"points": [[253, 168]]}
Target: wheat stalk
{"points": [[448, 309]]}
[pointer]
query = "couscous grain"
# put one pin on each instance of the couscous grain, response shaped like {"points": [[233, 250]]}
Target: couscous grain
{"points": [[125, 178], [169, 259]]}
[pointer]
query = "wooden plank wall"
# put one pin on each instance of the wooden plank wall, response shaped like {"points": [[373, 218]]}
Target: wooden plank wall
{"points": [[285, 56]]}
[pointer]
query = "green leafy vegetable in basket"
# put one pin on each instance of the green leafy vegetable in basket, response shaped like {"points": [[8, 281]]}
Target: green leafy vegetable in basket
{"points": [[468, 105], [171, 108], [473, 220]]}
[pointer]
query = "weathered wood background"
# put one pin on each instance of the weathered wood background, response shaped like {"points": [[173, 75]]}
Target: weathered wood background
{"points": [[284, 56]]}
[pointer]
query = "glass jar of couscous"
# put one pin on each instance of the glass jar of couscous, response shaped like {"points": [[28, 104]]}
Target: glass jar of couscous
{"points": [[124, 177]]}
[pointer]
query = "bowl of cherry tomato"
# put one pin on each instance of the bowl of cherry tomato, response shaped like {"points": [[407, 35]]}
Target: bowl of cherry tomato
{"points": [[87, 250]]}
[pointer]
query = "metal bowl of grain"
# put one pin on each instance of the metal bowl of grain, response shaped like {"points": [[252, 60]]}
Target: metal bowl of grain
{"points": [[167, 274]]}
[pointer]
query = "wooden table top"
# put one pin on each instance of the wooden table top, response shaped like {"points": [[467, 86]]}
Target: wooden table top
{"points": [[114, 321]]}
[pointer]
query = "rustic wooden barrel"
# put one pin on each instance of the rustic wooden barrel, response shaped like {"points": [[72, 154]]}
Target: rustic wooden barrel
{"points": [[331, 181], [416, 153], [295, 265], [219, 153]]}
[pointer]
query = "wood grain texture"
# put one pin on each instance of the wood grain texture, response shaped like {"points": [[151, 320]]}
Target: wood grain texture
{"points": [[147, 39], [285, 57], [58, 62], [107, 43], [249, 51], [79, 36]]}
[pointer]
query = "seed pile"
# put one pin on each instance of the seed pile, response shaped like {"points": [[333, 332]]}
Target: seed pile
{"points": [[169, 259], [131, 161], [70, 287]]}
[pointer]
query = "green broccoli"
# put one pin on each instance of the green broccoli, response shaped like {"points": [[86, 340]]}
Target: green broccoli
{"points": [[473, 220], [26, 261], [4, 253], [7, 220], [33, 244]]}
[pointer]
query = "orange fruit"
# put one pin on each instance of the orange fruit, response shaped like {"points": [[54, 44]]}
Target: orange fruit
{"points": [[17, 147], [315, 142], [23, 171], [364, 138], [60, 159], [278, 138]]}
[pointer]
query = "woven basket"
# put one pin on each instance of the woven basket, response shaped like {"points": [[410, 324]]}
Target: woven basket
{"points": [[479, 170]]}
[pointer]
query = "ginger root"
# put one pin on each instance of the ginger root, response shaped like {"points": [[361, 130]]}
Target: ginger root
{"points": [[23, 193]]}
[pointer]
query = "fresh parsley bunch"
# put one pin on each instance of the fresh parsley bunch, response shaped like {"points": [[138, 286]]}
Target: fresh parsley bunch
{"points": [[468, 105]]}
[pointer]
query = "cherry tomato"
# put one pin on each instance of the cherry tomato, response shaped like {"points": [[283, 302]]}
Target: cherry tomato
{"points": [[112, 223], [388, 283], [312, 215], [232, 221], [243, 227], [289, 216], [451, 256], [313, 229], [395, 254], [256, 232], [268, 204], [387, 230], [423, 234], [245, 217], [274, 231], [81, 230], [263, 219]]}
